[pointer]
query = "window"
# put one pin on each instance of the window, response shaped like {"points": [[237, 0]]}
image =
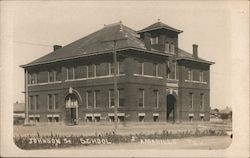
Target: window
{"points": [[156, 118], [56, 101], [201, 100], [70, 73], [50, 102], [166, 47], [201, 76], [168, 70], [111, 69], [141, 97], [140, 68], [141, 118], [190, 75], [32, 78], [89, 118], [91, 71], [155, 70], [156, 99], [154, 40], [97, 98], [56, 119], [53, 101], [99, 70], [191, 98], [32, 102], [111, 98], [120, 67], [51, 76], [37, 102], [37, 119], [121, 118], [50, 119], [89, 99], [121, 96], [171, 70], [172, 47], [85, 71]]}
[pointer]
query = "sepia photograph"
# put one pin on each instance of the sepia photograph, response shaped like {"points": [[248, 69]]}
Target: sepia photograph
{"points": [[122, 78]]}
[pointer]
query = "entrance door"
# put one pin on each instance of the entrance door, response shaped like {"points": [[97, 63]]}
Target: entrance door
{"points": [[171, 108], [71, 102]]}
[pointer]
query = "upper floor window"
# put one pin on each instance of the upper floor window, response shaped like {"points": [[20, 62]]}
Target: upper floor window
{"points": [[167, 47], [141, 98], [140, 66], [92, 70], [190, 75], [120, 67], [70, 73], [172, 48], [53, 75], [201, 76], [154, 40], [171, 70], [155, 70], [32, 79]]}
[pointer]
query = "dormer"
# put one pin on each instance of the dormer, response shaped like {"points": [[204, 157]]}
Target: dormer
{"points": [[161, 37]]}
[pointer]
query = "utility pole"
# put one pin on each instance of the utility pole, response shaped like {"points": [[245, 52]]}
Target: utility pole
{"points": [[118, 37], [115, 85]]}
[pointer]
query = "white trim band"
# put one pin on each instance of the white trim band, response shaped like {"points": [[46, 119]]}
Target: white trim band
{"points": [[141, 114], [155, 114], [191, 115]]}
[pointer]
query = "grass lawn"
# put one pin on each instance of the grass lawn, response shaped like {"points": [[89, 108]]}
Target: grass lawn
{"points": [[123, 129]]}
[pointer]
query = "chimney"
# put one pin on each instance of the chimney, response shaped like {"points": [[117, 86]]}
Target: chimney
{"points": [[147, 40], [56, 47], [195, 50]]}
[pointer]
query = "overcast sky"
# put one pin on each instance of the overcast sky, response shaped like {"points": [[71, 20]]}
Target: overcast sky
{"points": [[40, 25]]}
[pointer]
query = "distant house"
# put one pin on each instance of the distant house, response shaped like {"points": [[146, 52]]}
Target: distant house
{"points": [[220, 115], [226, 113], [19, 114], [157, 81]]}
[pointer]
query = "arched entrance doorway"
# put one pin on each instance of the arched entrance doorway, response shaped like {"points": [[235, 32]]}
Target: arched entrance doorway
{"points": [[71, 103], [171, 107]]}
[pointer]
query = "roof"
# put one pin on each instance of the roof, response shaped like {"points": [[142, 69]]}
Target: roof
{"points": [[159, 25], [19, 107], [97, 42], [102, 41], [184, 55]]}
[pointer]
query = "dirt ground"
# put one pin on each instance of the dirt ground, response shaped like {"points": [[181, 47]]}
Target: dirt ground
{"points": [[123, 129]]}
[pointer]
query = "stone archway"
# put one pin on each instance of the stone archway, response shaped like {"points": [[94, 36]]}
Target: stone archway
{"points": [[171, 107]]}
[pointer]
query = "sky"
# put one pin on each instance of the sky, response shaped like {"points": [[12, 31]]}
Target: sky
{"points": [[40, 25]]}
